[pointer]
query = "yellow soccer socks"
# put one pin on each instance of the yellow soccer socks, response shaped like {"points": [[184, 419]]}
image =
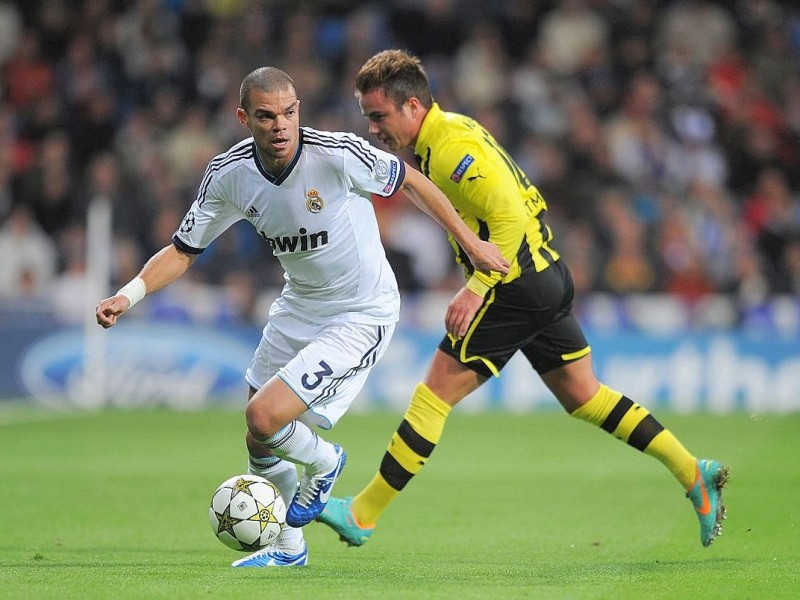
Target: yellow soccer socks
{"points": [[634, 425], [408, 451]]}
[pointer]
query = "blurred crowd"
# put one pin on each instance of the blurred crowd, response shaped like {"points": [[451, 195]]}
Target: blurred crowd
{"points": [[665, 135]]}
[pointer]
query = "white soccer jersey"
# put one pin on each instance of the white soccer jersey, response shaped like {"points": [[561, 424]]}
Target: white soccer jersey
{"points": [[316, 216]]}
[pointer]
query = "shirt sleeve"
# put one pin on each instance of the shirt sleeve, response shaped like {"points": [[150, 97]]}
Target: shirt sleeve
{"points": [[486, 194], [372, 170], [209, 216]]}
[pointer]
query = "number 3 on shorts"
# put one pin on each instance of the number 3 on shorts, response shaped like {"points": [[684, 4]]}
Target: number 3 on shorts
{"points": [[324, 372]]}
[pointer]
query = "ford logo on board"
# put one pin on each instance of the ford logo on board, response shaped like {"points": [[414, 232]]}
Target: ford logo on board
{"points": [[136, 365]]}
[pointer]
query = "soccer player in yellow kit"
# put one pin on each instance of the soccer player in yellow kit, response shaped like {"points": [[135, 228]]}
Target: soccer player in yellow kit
{"points": [[494, 316]]}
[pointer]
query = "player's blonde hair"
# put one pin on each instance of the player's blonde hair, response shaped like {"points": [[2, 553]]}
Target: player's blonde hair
{"points": [[400, 75], [267, 79]]}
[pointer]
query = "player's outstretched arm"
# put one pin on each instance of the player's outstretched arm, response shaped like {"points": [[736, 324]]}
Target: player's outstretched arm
{"points": [[484, 256], [164, 267]]}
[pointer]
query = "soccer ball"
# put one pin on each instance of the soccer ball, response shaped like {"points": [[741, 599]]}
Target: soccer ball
{"points": [[247, 512]]}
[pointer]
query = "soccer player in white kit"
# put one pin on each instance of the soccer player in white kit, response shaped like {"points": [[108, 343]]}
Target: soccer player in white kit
{"points": [[307, 193]]}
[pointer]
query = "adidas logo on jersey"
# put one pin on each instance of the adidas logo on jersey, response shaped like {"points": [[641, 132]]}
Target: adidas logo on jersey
{"points": [[252, 213], [304, 241]]}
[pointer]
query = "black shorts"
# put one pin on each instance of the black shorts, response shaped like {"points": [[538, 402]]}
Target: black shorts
{"points": [[531, 314]]}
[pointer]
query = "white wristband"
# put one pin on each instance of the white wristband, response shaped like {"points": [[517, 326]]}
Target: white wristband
{"points": [[134, 290]]}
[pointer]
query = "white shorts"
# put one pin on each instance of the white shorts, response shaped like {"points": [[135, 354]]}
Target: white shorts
{"points": [[326, 365]]}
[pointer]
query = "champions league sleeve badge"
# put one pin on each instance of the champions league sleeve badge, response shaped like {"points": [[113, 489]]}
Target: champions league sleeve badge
{"points": [[381, 170], [386, 173], [188, 222], [314, 203]]}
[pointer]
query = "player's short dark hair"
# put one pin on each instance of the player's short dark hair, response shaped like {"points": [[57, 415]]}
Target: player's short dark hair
{"points": [[400, 75], [267, 79]]}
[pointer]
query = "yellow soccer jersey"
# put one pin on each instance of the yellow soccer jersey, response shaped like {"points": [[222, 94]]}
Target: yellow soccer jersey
{"points": [[490, 192]]}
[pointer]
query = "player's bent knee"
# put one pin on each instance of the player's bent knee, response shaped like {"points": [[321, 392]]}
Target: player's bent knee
{"points": [[260, 423]]}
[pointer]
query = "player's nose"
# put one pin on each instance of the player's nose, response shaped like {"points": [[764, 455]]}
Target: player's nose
{"points": [[280, 123]]}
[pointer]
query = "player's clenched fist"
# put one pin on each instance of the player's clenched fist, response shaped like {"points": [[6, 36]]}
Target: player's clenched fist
{"points": [[110, 309]]}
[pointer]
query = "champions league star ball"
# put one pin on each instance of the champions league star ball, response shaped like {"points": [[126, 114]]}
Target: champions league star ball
{"points": [[247, 512]]}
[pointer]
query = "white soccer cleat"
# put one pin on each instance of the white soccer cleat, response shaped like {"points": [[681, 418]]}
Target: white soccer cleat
{"points": [[272, 556]]}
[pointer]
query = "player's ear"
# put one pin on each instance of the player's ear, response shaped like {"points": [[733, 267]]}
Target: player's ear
{"points": [[413, 105], [242, 116]]}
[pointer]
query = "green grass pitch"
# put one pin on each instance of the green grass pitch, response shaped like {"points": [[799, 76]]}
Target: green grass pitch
{"points": [[113, 505]]}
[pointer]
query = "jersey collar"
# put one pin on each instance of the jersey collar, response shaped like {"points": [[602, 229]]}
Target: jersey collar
{"points": [[287, 170]]}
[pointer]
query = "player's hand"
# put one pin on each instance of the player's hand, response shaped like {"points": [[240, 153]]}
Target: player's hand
{"points": [[110, 309], [485, 257], [460, 312]]}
